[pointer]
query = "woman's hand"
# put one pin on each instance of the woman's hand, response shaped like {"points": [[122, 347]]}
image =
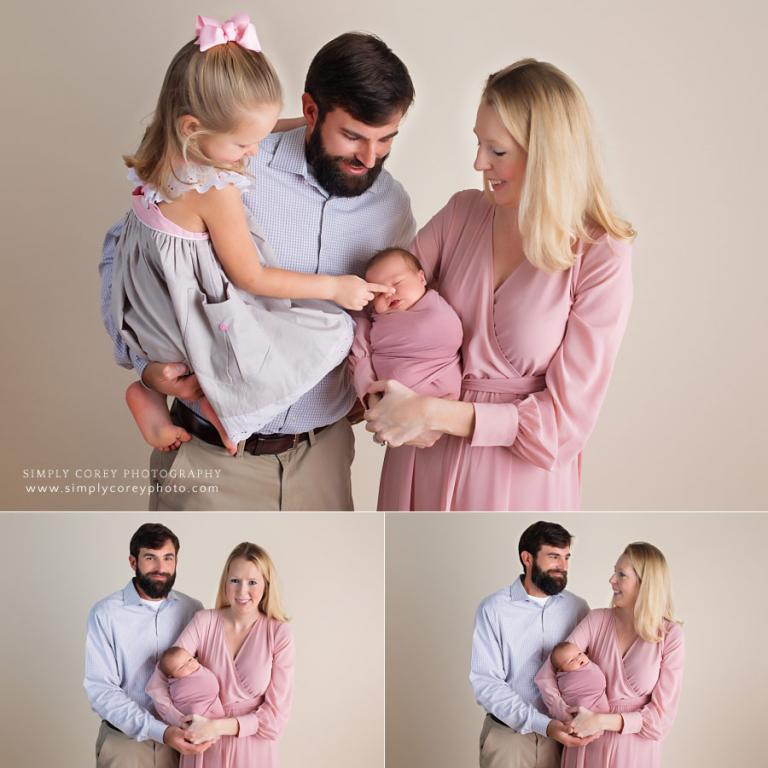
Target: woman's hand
{"points": [[584, 722], [200, 729], [399, 416]]}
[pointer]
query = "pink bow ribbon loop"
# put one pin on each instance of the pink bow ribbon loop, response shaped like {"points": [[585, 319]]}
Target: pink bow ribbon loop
{"points": [[210, 33]]}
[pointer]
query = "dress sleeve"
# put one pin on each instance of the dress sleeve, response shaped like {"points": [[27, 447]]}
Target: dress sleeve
{"points": [[545, 678], [552, 426], [655, 719], [427, 246], [359, 360], [158, 686], [269, 718]]}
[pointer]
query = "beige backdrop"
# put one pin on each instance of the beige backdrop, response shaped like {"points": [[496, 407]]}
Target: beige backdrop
{"points": [[675, 90], [718, 588], [331, 570]]}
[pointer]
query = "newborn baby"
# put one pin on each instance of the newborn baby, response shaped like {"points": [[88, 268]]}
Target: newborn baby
{"points": [[581, 681], [413, 335], [194, 690]]}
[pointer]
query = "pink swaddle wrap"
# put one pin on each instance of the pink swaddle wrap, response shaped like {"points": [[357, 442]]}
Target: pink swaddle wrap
{"points": [[197, 694], [584, 687], [418, 347]]}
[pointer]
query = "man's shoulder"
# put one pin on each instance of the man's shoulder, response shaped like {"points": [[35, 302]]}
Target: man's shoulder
{"points": [[109, 603], [494, 600], [388, 187], [187, 601], [574, 602]]}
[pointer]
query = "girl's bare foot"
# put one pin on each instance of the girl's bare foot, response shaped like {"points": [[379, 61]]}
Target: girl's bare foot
{"points": [[150, 411], [210, 414]]}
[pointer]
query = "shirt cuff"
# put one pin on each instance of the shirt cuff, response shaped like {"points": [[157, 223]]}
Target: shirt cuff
{"points": [[157, 730], [633, 722], [495, 424], [539, 723], [139, 364]]}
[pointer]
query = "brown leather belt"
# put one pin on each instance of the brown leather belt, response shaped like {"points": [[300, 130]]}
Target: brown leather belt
{"points": [[257, 444]]}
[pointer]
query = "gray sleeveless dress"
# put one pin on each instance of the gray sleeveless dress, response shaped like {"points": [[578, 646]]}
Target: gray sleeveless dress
{"points": [[172, 302]]}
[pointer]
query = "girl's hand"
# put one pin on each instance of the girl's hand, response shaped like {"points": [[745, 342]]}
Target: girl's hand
{"points": [[200, 729], [352, 292], [585, 722], [399, 417]]}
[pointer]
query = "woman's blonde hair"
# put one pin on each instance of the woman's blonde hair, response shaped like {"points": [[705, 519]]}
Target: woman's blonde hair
{"points": [[563, 198], [654, 598], [269, 604], [214, 87]]}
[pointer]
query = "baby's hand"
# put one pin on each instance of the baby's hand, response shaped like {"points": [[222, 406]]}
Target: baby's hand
{"points": [[352, 292]]}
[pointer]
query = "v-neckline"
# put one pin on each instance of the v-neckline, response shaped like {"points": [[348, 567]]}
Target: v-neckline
{"points": [[622, 656], [234, 657], [492, 271]]}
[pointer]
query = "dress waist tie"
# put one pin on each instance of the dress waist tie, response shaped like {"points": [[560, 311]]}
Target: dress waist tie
{"points": [[520, 385]]}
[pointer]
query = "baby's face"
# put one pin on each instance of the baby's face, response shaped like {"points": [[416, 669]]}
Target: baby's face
{"points": [[570, 658], [184, 664], [409, 284]]}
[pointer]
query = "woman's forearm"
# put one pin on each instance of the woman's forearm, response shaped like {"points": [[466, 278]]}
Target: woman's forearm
{"points": [[227, 726], [611, 722], [453, 417]]}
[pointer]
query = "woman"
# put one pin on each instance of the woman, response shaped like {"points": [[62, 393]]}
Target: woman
{"points": [[538, 269], [640, 650], [248, 645]]}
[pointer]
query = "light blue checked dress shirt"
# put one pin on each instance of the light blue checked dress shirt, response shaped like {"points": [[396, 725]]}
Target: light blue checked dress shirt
{"points": [[125, 638], [512, 638], [309, 231]]}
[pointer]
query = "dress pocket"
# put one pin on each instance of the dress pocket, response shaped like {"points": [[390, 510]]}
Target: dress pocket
{"points": [[225, 339]]}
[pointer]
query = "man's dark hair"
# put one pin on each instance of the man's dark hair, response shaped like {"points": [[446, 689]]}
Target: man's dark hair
{"points": [[408, 258], [360, 74], [152, 536], [534, 536]]}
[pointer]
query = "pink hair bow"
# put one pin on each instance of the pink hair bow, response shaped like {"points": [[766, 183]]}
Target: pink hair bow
{"points": [[238, 30]]}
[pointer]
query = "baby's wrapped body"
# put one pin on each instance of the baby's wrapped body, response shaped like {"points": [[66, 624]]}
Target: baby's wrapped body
{"points": [[419, 348], [253, 356], [584, 687], [197, 694]]}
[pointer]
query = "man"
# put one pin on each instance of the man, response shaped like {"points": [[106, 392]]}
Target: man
{"points": [[325, 205], [515, 630], [127, 633]]}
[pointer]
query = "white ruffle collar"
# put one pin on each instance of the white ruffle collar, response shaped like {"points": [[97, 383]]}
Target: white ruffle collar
{"points": [[201, 178]]}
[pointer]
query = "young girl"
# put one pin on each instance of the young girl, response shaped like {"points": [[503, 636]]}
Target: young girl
{"points": [[189, 261]]}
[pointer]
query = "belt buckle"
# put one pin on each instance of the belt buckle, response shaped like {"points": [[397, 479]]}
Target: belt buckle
{"points": [[296, 438]]}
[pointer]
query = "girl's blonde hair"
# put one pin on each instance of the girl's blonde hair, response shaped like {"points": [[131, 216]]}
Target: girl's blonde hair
{"points": [[269, 604], [654, 599], [214, 87], [563, 198]]}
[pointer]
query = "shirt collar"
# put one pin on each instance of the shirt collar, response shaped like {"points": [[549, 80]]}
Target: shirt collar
{"points": [[517, 593], [132, 597]]}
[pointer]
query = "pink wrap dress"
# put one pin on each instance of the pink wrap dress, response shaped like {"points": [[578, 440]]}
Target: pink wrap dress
{"points": [[255, 687], [538, 352], [643, 685]]}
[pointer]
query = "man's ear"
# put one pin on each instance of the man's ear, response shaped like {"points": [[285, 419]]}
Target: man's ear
{"points": [[132, 562], [527, 559], [310, 111]]}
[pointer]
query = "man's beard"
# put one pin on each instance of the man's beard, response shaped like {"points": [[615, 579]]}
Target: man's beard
{"points": [[329, 172], [549, 585], [152, 588]]}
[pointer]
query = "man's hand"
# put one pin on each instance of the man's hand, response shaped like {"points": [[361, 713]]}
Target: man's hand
{"points": [[562, 733], [175, 738], [172, 379]]}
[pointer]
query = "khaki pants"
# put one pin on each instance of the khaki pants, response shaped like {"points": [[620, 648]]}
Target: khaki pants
{"points": [[501, 747], [313, 475], [116, 750]]}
